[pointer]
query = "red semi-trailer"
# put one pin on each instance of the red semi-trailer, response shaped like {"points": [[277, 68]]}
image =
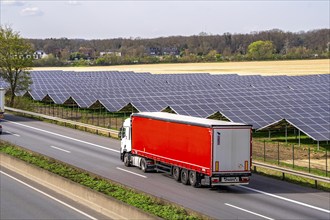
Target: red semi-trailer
{"points": [[194, 151]]}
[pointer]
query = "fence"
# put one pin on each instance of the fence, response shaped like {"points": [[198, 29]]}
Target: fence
{"points": [[304, 158], [76, 125], [97, 117], [285, 171]]}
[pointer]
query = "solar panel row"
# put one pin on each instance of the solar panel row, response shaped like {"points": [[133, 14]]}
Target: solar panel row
{"points": [[257, 100]]}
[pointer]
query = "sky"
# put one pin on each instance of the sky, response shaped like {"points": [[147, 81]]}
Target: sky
{"points": [[154, 18]]}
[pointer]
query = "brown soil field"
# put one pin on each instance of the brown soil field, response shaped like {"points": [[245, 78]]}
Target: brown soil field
{"points": [[272, 150], [291, 67]]}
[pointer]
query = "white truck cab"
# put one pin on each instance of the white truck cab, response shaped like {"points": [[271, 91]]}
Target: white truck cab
{"points": [[125, 136]]}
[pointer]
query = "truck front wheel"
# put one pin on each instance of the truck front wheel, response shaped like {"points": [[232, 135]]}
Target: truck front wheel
{"points": [[143, 165], [176, 173], [126, 160], [184, 177]]}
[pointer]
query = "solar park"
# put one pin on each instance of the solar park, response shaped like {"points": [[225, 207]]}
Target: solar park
{"points": [[266, 102]]}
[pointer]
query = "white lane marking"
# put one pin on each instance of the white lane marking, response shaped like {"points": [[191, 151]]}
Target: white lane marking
{"points": [[57, 148], [286, 199], [131, 172], [8, 132], [49, 196], [59, 135], [249, 211]]}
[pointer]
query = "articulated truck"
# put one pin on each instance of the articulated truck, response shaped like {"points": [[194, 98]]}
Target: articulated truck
{"points": [[195, 151]]}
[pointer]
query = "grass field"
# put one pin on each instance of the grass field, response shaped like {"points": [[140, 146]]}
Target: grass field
{"points": [[291, 67]]}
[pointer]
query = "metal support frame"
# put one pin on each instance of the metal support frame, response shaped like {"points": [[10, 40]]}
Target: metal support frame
{"points": [[286, 133], [299, 136]]}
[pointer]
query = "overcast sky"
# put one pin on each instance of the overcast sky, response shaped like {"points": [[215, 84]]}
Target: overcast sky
{"points": [[150, 19]]}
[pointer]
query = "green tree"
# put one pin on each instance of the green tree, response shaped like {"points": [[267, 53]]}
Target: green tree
{"points": [[77, 56], [102, 61], [211, 56], [298, 53], [261, 50], [50, 60], [15, 61]]}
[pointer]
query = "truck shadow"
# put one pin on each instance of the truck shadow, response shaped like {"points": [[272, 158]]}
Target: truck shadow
{"points": [[259, 183]]}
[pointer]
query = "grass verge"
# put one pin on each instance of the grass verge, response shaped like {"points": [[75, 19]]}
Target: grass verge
{"points": [[147, 203], [68, 125], [296, 167], [293, 179]]}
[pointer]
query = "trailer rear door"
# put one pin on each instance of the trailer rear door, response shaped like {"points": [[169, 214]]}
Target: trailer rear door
{"points": [[231, 149]]}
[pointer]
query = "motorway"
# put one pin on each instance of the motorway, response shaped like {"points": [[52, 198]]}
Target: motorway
{"points": [[24, 199], [263, 198]]}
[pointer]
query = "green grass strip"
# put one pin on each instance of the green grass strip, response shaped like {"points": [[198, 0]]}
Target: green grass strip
{"points": [[290, 166], [293, 179], [142, 201]]}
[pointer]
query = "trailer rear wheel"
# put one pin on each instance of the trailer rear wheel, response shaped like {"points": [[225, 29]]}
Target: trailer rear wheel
{"points": [[143, 165], [126, 160], [184, 177], [194, 179], [176, 173]]}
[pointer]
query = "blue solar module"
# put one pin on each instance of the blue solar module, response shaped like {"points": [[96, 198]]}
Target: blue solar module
{"points": [[257, 100]]}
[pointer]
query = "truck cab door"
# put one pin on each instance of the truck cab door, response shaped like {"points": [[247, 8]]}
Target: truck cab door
{"points": [[126, 144]]}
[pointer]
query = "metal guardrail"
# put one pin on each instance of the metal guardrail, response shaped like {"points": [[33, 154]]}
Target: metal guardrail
{"points": [[98, 130], [114, 133], [292, 172]]}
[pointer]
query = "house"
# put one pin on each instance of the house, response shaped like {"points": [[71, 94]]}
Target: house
{"points": [[118, 54], [154, 51], [88, 53], [39, 54], [173, 51]]}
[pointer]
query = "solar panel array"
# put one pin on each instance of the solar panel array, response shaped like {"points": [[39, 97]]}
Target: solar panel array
{"points": [[304, 101]]}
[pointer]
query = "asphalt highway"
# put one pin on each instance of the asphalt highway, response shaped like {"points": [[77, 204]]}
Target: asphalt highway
{"points": [[24, 199], [263, 198]]}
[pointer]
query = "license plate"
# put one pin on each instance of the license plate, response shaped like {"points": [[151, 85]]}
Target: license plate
{"points": [[230, 179]]}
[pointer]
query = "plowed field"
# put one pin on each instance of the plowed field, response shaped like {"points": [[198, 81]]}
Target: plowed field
{"points": [[292, 67]]}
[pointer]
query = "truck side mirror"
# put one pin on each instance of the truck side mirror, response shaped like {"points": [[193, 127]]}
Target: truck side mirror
{"points": [[121, 133]]}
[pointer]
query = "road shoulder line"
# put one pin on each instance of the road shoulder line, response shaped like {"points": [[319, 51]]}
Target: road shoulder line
{"points": [[49, 196], [99, 202], [245, 210], [285, 199]]}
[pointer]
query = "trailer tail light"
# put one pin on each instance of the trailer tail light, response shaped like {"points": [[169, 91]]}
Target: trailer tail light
{"points": [[215, 179], [216, 166], [246, 165], [245, 179]]}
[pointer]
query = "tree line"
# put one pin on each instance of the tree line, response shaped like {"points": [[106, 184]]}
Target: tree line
{"points": [[17, 55], [264, 45]]}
